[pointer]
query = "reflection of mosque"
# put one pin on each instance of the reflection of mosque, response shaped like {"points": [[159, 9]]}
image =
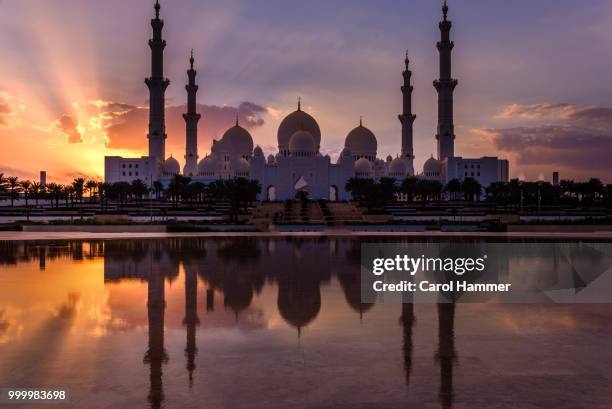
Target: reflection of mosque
{"points": [[237, 269]]}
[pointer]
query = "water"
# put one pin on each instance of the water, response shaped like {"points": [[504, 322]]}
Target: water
{"points": [[276, 323]]}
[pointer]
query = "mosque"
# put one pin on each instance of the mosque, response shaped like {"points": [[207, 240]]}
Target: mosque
{"points": [[299, 164]]}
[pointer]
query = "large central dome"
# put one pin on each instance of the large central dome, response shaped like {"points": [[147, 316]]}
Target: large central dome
{"points": [[294, 122]]}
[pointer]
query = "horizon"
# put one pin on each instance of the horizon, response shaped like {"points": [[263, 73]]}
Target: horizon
{"points": [[77, 95]]}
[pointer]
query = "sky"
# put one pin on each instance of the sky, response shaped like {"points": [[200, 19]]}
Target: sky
{"points": [[533, 78]]}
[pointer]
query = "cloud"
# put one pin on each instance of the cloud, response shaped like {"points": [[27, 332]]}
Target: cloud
{"points": [[126, 125], [556, 137], [69, 126], [578, 152], [5, 110]]}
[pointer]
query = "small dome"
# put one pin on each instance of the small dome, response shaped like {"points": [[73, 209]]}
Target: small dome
{"points": [[237, 140], [363, 168], [302, 142], [362, 142], [431, 167], [241, 166], [389, 158], [294, 122], [207, 166], [398, 168], [258, 151], [271, 159], [171, 166]]}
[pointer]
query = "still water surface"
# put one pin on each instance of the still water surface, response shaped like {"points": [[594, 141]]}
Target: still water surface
{"points": [[276, 323]]}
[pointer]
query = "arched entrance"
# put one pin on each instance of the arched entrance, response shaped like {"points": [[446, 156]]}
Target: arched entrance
{"points": [[333, 193], [271, 193]]}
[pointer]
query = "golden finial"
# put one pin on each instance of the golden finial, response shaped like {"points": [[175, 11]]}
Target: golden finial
{"points": [[445, 10], [157, 8], [299, 103], [237, 119], [361, 121], [191, 60]]}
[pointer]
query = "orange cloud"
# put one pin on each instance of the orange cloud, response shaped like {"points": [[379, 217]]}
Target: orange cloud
{"points": [[69, 126]]}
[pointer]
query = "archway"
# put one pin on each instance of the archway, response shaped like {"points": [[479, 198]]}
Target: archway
{"points": [[333, 193], [271, 193]]}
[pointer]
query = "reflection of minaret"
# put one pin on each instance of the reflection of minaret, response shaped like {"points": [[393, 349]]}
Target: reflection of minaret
{"points": [[407, 119], [157, 84], [407, 321], [42, 258], [445, 87], [210, 300], [156, 355], [191, 120], [191, 320], [446, 352]]}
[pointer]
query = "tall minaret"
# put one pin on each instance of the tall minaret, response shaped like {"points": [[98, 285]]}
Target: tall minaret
{"points": [[191, 120], [407, 119], [445, 87], [157, 84]]}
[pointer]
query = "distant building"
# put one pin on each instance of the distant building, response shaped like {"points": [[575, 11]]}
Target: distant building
{"points": [[43, 179], [555, 179], [299, 164]]}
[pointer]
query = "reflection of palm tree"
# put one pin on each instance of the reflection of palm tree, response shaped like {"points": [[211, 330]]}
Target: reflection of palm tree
{"points": [[446, 352]]}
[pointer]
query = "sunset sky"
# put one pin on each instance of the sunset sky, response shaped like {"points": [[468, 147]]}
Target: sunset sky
{"points": [[533, 78]]}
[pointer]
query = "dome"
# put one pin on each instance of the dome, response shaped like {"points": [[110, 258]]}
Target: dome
{"points": [[302, 142], [362, 142], [207, 166], [363, 168], [431, 167], [237, 140], [271, 159], [258, 151], [389, 158], [171, 166], [297, 121], [398, 167], [241, 167]]}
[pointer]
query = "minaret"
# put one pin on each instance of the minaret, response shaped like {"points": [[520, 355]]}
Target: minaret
{"points": [[157, 84], [191, 120], [407, 119], [445, 87]]}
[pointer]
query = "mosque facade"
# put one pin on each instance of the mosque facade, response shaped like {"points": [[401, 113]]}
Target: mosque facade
{"points": [[299, 165]]}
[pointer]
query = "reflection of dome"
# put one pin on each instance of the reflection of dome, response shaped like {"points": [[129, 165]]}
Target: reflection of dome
{"points": [[362, 142], [207, 166], [363, 168], [432, 167], [299, 302], [238, 140], [171, 166], [302, 143], [398, 168], [297, 121]]}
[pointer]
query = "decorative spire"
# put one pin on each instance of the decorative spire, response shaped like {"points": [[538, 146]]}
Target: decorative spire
{"points": [[445, 10], [361, 121], [191, 60], [299, 103], [237, 119], [157, 8], [407, 60]]}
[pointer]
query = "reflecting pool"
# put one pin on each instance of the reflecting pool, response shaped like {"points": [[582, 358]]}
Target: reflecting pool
{"points": [[276, 323]]}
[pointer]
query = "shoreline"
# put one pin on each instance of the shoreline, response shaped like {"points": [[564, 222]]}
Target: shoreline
{"points": [[33, 236]]}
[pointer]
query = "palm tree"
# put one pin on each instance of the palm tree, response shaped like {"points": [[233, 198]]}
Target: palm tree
{"points": [[471, 189], [2, 183], [36, 190], [158, 187], [453, 187], [55, 190], [13, 185], [25, 187], [139, 189], [91, 186], [78, 186], [408, 187], [386, 190]]}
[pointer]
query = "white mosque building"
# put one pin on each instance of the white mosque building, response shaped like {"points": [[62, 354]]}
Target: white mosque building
{"points": [[299, 164]]}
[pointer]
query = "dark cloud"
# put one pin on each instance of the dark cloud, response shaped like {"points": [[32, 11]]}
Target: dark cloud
{"points": [[577, 151], [126, 126], [68, 125]]}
